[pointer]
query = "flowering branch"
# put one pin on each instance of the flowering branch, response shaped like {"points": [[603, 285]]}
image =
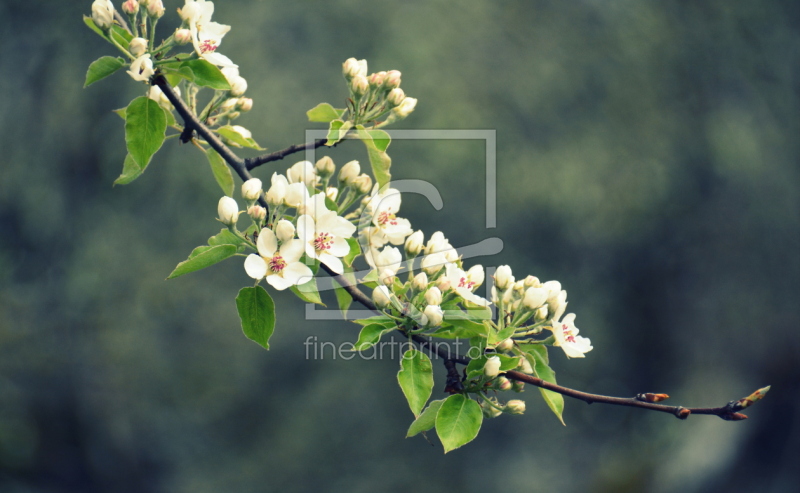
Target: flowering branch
{"points": [[254, 162]]}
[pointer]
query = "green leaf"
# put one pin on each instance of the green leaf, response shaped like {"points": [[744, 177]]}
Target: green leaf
{"points": [[308, 292], [355, 251], [371, 335], [416, 379], [221, 171], [380, 161], [120, 35], [257, 311], [121, 112], [145, 125], [458, 421], [238, 139], [343, 298], [204, 259], [457, 325], [377, 319], [130, 171], [537, 357], [426, 420], [102, 68], [337, 130], [324, 112], [380, 138], [206, 74], [90, 23], [198, 250]]}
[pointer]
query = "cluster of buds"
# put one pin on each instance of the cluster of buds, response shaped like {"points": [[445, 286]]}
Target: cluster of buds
{"points": [[492, 408], [375, 95]]}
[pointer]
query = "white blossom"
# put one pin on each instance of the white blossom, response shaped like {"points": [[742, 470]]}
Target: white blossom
{"points": [[567, 338], [142, 68], [325, 237], [281, 267]]}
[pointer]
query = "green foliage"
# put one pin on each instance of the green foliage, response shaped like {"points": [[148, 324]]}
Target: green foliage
{"points": [[377, 141], [416, 379], [343, 298], [221, 171], [145, 127], [205, 74], [324, 113], [537, 357], [371, 334], [458, 421], [257, 312], [337, 130], [200, 259], [238, 139], [426, 420], [308, 292], [102, 68], [130, 171]]}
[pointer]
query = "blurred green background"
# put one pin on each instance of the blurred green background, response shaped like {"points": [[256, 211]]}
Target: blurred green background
{"points": [[647, 158]]}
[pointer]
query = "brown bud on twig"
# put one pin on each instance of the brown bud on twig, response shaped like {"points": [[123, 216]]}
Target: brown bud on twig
{"points": [[733, 416], [649, 397], [682, 412], [751, 399]]}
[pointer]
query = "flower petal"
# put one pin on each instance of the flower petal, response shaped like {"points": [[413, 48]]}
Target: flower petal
{"points": [[333, 262], [255, 266], [267, 243]]}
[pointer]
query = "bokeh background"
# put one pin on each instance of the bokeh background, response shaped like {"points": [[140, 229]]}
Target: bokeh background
{"points": [[647, 158]]}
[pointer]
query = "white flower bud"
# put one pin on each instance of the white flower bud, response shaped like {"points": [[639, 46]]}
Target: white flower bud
{"points": [[245, 105], [142, 68], [277, 192], [238, 85], [251, 189], [505, 345], [490, 411], [362, 183], [332, 193], [525, 366], [503, 278], [359, 86], [413, 244], [392, 80], [434, 314], [381, 297], [352, 67], [395, 96], [475, 274], [302, 172], [284, 230], [420, 282], [405, 108], [349, 172], [325, 167], [502, 384], [492, 367], [443, 283], [183, 36], [534, 298], [130, 7], [137, 46], [515, 406], [433, 263], [518, 386], [541, 314], [228, 105], [433, 296], [376, 79], [532, 282], [553, 289], [257, 213], [228, 211], [155, 9]]}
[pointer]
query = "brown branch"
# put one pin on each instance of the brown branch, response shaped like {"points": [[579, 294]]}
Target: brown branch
{"points": [[643, 401]]}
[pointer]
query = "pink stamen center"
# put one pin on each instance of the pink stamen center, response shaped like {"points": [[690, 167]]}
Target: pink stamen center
{"points": [[276, 264], [387, 217], [323, 242], [568, 335], [466, 283], [208, 46]]}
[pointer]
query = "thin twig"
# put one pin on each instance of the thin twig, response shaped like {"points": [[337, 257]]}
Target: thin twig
{"points": [[253, 162]]}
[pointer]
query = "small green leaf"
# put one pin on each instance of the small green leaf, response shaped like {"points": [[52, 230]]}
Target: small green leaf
{"points": [[120, 35], [90, 23], [145, 125], [355, 251], [337, 130], [377, 319], [380, 161], [371, 335], [343, 298], [324, 112], [221, 171], [130, 171], [380, 138], [426, 420], [238, 139], [102, 68], [458, 421], [257, 312], [308, 292], [416, 379], [206, 74], [204, 259], [457, 324], [121, 112], [537, 357]]}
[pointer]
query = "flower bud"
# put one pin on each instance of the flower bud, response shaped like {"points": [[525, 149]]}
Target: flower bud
{"points": [[142, 68], [515, 406], [332, 193], [532, 282], [257, 213], [228, 105], [492, 367], [155, 9], [130, 7], [525, 366], [246, 134], [284, 230], [420, 282], [534, 298], [434, 314], [352, 67], [359, 86], [505, 345], [541, 314], [490, 411], [433, 263], [325, 167], [376, 79], [228, 211], [433, 296], [362, 183], [302, 172], [103, 14], [553, 289], [137, 46], [443, 283], [503, 384], [503, 278], [392, 80], [251, 189], [414, 244], [238, 85], [245, 105], [395, 96], [405, 108], [349, 172], [380, 296], [183, 36], [518, 386], [476, 275], [277, 192]]}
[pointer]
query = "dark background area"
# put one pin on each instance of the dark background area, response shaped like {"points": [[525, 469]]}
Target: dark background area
{"points": [[647, 158]]}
